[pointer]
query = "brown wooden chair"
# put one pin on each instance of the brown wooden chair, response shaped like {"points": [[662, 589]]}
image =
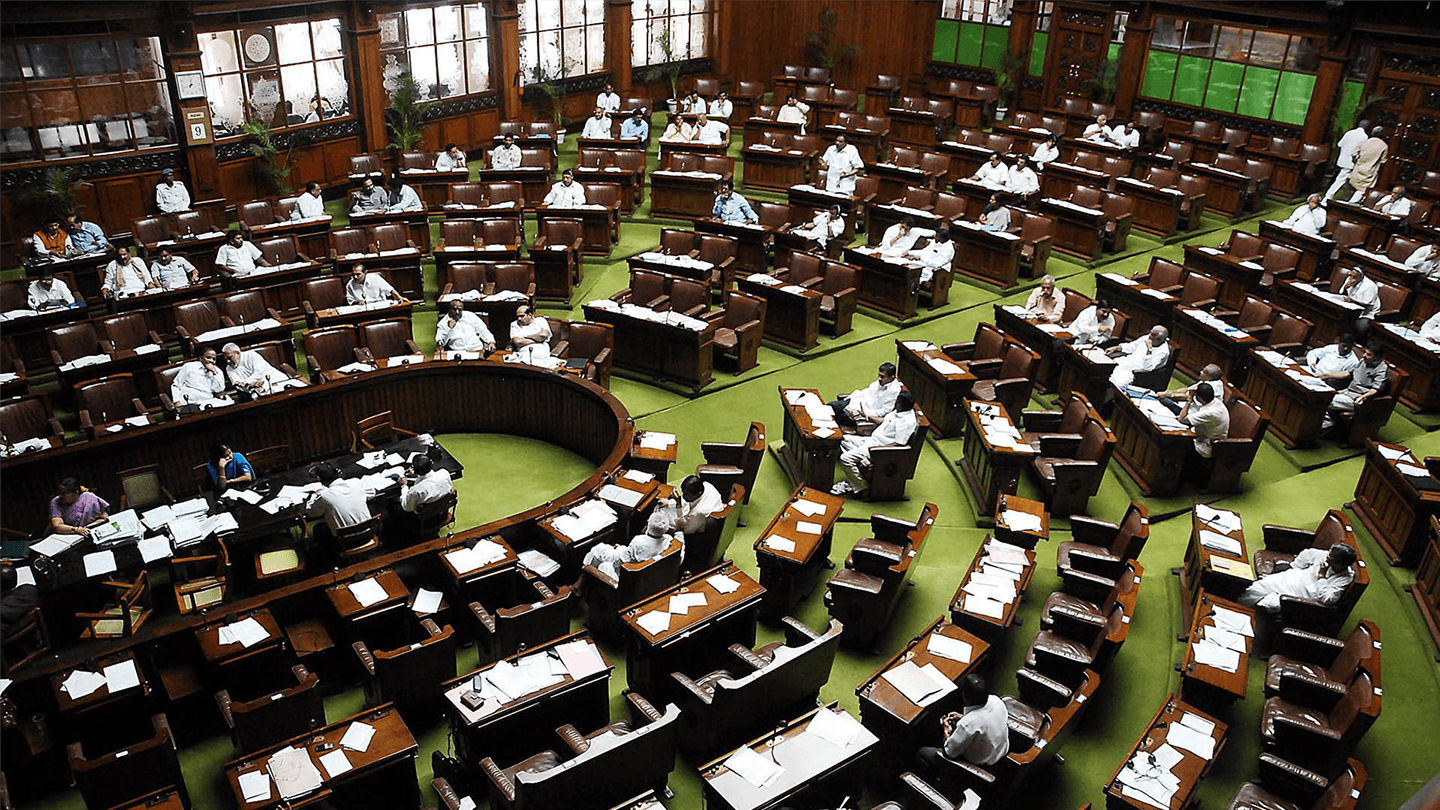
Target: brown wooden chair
{"points": [[892, 467], [193, 319], [1317, 740], [556, 253], [26, 639], [329, 349], [1231, 456], [737, 335], [593, 343], [404, 659], [28, 417], [634, 582], [318, 294], [391, 337], [271, 704], [200, 580], [1286, 786], [1014, 381], [1070, 469], [363, 166], [1101, 547], [106, 400], [130, 331], [131, 609], [379, 429], [1038, 234], [246, 307]]}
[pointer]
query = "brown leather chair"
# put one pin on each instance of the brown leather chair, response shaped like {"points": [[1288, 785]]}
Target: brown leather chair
{"points": [[282, 250], [1014, 381], [840, 296], [363, 166], [774, 215], [405, 659], [72, 341], [709, 545], [418, 160], [1069, 470], [388, 338], [1101, 547], [647, 289], [737, 334], [691, 298], [719, 251], [317, 294], [635, 582], [728, 463], [29, 417], [1159, 379], [193, 319], [1316, 739], [1038, 234], [1090, 647], [1067, 421], [255, 214], [249, 306], [130, 331], [1234, 139], [1283, 543], [536, 615], [11, 363], [272, 703], [593, 343], [1255, 317], [197, 222], [1086, 600], [150, 231], [146, 762], [733, 704], [1163, 275], [1289, 334], [106, 400], [981, 356], [1232, 456], [892, 467], [512, 277], [1286, 786], [1314, 670], [329, 349], [556, 254], [864, 594], [1364, 423]]}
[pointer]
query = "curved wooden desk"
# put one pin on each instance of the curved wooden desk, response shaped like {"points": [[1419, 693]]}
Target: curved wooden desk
{"points": [[439, 397]]}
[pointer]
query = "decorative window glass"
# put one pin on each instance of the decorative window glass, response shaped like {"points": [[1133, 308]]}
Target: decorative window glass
{"points": [[561, 38], [670, 30], [282, 74], [973, 32], [446, 48]]}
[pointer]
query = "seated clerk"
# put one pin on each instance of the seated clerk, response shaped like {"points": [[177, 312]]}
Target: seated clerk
{"points": [[76, 509], [1207, 416], [341, 502], [1211, 373], [200, 382], [1145, 353], [423, 483], [228, 468], [871, 404], [1333, 363], [1095, 325], [1045, 305], [459, 330], [609, 557], [687, 510], [979, 735], [897, 428]]}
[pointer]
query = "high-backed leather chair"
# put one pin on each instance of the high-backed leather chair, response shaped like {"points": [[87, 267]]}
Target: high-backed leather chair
{"points": [[727, 706], [737, 335], [533, 615], [1286, 786], [1289, 334], [28, 417], [1088, 599], [1070, 468], [891, 467], [106, 400], [72, 341], [363, 166], [321, 293], [1316, 739], [1065, 658], [1013, 382], [130, 331], [840, 296], [690, 298], [708, 546], [388, 338], [1158, 379], [556, 254], [634, 582], [983, 354], [405, 658], [1231, 456], [1364, 423], [719, 251], [865, 592], [272, 703], [193, 319], [1163, 275], [147, 762], [1101, 547], [1314, 670], [1283, 543], [1067, 421], [1038, 234], [329, 349], [728, 463], [248, 306]]}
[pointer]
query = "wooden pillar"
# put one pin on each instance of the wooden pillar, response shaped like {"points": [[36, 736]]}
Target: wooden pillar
{"points": [[367, 85], [725, 20], [1132, 61], [182, 50], [1022, 29], [1328, 80], [505, 31], [618, 17]]}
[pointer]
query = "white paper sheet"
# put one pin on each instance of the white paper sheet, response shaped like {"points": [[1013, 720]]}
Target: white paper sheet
{"points": [[357, 736], [655, 622], [808, 508], [426, 602], [121, 676], [82, 682], [335, 762], [837, 728], [780, 543], [368, 592], [99, 562], [154, 548], [753, 768], [952, 648], [255, 786], [723, 584], [1019, 521]]}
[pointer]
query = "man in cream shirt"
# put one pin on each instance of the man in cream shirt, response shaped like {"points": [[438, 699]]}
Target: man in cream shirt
{"points": [[1125, 136], [1095, 324], [900, 238], [1308, 219], [1207, 416], [309, 205], [1345, 155], [1099, 130], [721, 107], [368, 288], [1425, 260], [567, 193], [529, 335], [199, 382], [1045, 304], [993, 174], [459, 330], [709, 131], [870, 404], [980, 734], [597, 126], [126, 275], [1142, 354], [842, 164]]}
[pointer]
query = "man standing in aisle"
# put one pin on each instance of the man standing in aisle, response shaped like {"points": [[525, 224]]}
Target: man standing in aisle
{"points": [[1345, 155]]}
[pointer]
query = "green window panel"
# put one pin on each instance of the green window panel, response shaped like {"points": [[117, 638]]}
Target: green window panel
{"points": [[1159, 75], [971, 43], [946, 34], [1350, 97], [1114, 52], [997, 41], [1257, 92], [1191, 75], [1223, 91], [1293, 97], [1038, 44]]}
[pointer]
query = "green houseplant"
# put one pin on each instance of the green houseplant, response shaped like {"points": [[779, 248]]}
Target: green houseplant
{"points": [[405, 114], [274, 165], [821, 46], [1106, 80], [552, 84], [57, 193], [669, 69], [1008, 76]]}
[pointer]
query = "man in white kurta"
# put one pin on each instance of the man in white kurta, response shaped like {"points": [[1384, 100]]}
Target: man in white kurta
{"points": [[567, 193], [1046, 151], [1308, 219], [48, 292], [1394, 204], [1094, 324], [1358, 289], [530, 336], [403, 197], [1425, 260], [794, 112], [506, 155], [895, 430], [1140, 355], [980, 734], [1098, 130], [342, 502], [247, 369], [199, 382], [1345, 155], [992, 174], [870, 404], [1207, 416], [900, 238], [842, 165], [1316, 574], [642, 547], [427, 484], [127, 275], [827, 225], [309, 205], [721, 106], [459, 330], [608, 100], [171, 196], [452, 159], [368, 288], [696, 501], [1125, 136], [598, 125], [1430, 330], [937, 254], [1021, 179], [239, 256]]}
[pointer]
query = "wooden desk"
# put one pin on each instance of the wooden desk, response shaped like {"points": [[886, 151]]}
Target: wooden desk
{"points": [[1316, 252], [218, 656], [938, 385], [381, 775], [696, 639], [810, 452], [683, 266], [965, 158], [1060, 179], [918, 127], [991, 256], [816, 772], [652, 460], [694, 147], [1203, 339], [755, 239], [473, 584], [164, 799], [659, 350], [808, 199], [890, 715], [887, 286], [1041, 338], [1157, 209], [432, 184], [687, 195], [792, 312], [1144, 306], [1190, 769], [1426, 589], [417, 222], [1382, 226], [1421, 359], [966, 605], [312, 235], [535, 181], [789, 574], [894, 179], [1211, 564], [1395, 507], [94, 713], [1154, 454], [776, 169], [630, 184], [525, 725], [349, 609], [1380, 267], [157, 305], [755, 128], [1238, 277], [1026, 538], [1085, 370], [880, 216], [1207, 685], [1296, 404], [1229, 191], [989, 467], [599, 225], [1079, 231]]}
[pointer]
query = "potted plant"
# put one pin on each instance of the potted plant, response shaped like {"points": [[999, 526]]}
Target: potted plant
{"points": [[274, 167], [552, 84], [669, 69], [1102, 87], [1007, 80], [57, 193], [821, 47], [405, 114]]}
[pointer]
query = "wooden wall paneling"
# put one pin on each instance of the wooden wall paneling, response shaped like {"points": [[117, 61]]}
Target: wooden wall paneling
{"points": [[337, 161], [238, 179], [306, 164], [123, 200]]}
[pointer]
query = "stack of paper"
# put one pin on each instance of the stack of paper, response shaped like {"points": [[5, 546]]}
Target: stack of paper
{"points": [[1222, 520], [1227, 619], [655, 440], [952, 648], [837, 728], [426, 602], [580, 658], [81, 682], [1018, 521], [255, 786], [753, 768], [722, 583], [537, 563], [54, 544], [627, 498], [808, 508], [655, 622], [920, 685], [592, 516], [246, 632], [1210, 654], [1194, 734], [293, 772], [1148, 776], [121, 526], [1220, 543], [368, 592]]}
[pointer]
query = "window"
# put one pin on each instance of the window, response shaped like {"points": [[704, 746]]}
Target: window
{"points": [[681, 26], [283, 75], [972, 32], [1259, 74], [446, 48], [1040, 42], [560, 38], [76, 97]]}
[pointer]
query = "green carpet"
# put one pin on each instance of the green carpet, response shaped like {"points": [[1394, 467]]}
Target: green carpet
{"points": [[505, 474]]}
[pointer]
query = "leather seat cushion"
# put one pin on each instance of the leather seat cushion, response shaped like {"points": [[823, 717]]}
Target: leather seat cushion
{"points": [[1251, 796], [1064, 601], [1061, 647], [1024, 718], [767, 653], [707, 683], [983, 389], [1266, 562], [540, 763], [1274, 707], [1280, 665], [1045, 469], [726, 338], [827, 304], [854, 580], [880, 550]]}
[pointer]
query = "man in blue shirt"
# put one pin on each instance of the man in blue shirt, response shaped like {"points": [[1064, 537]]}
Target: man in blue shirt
{"points": [[731, 207], [635, 128], [86, 237], [228, 468]]}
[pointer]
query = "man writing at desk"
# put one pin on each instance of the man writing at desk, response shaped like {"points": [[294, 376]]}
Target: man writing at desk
{"points": [[459, 330], [48, 292], [731, 207], [993, 174], [896, 429], [1045, 305], [870, 404], [980, 734], [368, 288]]}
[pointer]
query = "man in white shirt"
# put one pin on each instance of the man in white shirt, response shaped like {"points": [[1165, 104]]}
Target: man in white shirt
{"points": [[826, 225], [452, 159], [1046, 151], [608, 557], [608, 100], [842, 164], [711, 132], [895, 429], [1334, 363], [1208, 418], [900, 238], [1211, 373], [1345, 155], [529, 335], [598, 125], [341, 502], [369, 198], [1022, 179], [1320, 575], [870, 404], [992, 174], [1430, 330], [979, 735], [1140, 355], [126, 275], [199, 382], [402, 197], [794, 112], [368, 288], [426, 483], [237, 256], [1394, 204], [1094, 325], [506, 155], [1360, 290], [48, 292], [1126, 136], [938, 254], [252, 373], [461, 331], [721, 107], [1425, 260], [309, 205], [567, 193], [173, 271], [171, 197], [1099, 130], [688, 509], [1309, 218]]}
